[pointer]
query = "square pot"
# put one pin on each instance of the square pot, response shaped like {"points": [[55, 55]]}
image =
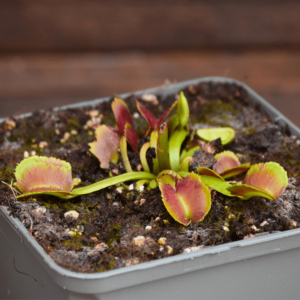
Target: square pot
{"points": [[264, 267]]}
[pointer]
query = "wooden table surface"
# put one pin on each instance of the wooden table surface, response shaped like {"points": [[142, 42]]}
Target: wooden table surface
{"points": [[34, 81], [60, 52]]}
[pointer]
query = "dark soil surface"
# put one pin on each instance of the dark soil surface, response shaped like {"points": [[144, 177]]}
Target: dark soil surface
{"points": [[118, 228]]}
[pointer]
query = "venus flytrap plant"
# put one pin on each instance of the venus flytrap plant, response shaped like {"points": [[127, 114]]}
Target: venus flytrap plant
{"points": [[185, 194]]}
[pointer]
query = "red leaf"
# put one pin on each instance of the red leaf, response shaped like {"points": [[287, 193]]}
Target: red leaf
{"points": [[225, 160], [122, 114], [131, 136], [152, 121], [191, 200], [228, 165]]}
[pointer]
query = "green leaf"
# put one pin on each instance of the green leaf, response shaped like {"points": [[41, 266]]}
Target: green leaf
{"points": [[112, 181], [183, 111], [123, 148], [175, 143], [217, 184], [153, 144], [168, 177], [163, 147], [226, 134], [143, 157]]}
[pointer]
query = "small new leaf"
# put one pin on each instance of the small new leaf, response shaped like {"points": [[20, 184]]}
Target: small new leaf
{"points": [[152, 121], [226, 134], [183, 111], [190, 200], [228, 165]]}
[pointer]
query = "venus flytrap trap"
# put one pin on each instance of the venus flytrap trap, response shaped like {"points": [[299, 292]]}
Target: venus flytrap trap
{"points": [[185, 194], [51, 176], [268, 180], [226, 134]]}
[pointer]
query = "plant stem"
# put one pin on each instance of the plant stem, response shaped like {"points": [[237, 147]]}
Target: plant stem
{"points": [[111, 181], [153, 144], [186, 163], [163, 147], [189, 153], [175, 143], [143, 157], [172, 124], [217, 184], [123, 147], [140, 183]]}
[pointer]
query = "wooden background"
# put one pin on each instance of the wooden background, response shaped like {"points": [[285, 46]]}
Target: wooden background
{"points": [[59, 52]]}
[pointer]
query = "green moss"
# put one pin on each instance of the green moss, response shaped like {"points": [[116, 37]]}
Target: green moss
{"points": [[115, 234], [217, 113]]}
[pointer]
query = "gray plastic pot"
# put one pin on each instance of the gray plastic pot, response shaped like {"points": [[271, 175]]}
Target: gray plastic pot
{"points": [[264, 267]]}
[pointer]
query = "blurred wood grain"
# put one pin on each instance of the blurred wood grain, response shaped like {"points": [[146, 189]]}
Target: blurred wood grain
{"points": [[34, 81], [90, 25], [60, 52]]}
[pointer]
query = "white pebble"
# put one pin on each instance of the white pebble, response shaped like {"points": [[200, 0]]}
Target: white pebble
{"points": [[139, 240], [162, 241], [136, 115], [33, 153], [119, 189], [93, 113], [169, 250], [43, 144], [65, 137], [71, 214], [101, 247], [131, 187], [225, 228], [148, 227], [26, 154], [263, 223], [10, 124], [76, 181], [150, 98], [40, 210]]}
